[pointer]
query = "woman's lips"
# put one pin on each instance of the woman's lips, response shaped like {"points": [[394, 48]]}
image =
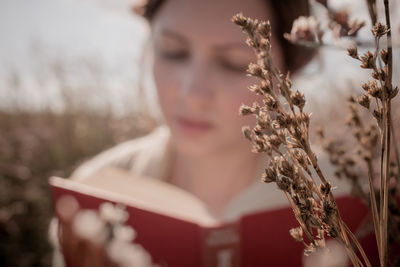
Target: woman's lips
{"points": [[193, 125]]}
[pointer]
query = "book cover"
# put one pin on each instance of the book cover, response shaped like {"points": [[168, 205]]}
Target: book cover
{"points": [[176, 229]]}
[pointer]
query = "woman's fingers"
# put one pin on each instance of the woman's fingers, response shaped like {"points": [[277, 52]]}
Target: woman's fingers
{"points": [[82, 235]]}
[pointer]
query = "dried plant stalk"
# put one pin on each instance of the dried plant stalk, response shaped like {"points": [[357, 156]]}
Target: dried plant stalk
{"points": [[282, 131], [382, 91], [387, 105]]}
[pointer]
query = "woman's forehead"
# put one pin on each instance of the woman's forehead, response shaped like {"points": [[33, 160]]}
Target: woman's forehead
{"points": [[206, 19]]}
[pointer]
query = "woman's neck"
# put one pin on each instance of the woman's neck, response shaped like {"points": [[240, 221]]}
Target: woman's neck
{"points": [[215, 179]]}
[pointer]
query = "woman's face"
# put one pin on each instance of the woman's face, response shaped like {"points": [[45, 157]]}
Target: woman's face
{"points": [[200, 61]]}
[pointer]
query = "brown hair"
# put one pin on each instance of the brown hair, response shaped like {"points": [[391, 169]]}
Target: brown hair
{"points": [[286, 11]]}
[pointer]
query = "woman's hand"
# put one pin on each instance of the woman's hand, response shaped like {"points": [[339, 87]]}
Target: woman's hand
{"points": [[332, 255], [98, 238], [82, 235]]}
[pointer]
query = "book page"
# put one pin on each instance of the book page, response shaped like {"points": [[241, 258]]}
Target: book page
{"points": [[141, 192]]}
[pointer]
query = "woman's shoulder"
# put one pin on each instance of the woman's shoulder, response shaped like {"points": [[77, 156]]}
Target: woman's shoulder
{"points": [[136, 155]]}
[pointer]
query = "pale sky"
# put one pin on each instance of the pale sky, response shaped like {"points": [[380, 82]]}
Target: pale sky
{"points": [[75, 27], [36, 33]]}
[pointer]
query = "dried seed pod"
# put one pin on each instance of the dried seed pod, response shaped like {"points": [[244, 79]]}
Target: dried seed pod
{"points": [[393, 92], [354, 27], [304, 29], [379, 30], [260, 145], [245, 110], [274, 140], [270, 102], [255, 70], [372, 88], [245, 23], [379, 75], [255, 43], [325, 189], [247, 132], [284, 183], [367, 60], [255, 89], [266, 87], [297, 233], [263, 121], [353, 52], [305, 118], [378, 115], [384, 56], [298, 100], [269, 175], [265, 45], [332, 232], [364, 101], [264, 29]]}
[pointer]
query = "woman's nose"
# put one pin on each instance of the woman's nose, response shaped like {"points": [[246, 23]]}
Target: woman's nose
{"points": [[196, 84]]}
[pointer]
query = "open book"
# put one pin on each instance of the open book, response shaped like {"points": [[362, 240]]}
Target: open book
{"points": [[177, 230]]}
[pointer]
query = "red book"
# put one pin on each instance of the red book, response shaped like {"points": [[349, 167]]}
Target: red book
{"points": [[176, 229]]}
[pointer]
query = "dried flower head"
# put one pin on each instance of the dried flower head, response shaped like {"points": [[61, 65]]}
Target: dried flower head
{"points": [[298, 100], [364, 101], [112, 213], [245, 110], [355, 26], [305, 29], [352, 51], [247, 132], [297, 234], [379, 30], [88, 225], [124, 233], [367, 60], [255, 70], [269, 175], [341, 25], [384, 56]]}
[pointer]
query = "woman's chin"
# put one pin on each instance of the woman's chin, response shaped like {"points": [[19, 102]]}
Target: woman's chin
{"points": [[196, 143], [203, 141], [193, 145]]}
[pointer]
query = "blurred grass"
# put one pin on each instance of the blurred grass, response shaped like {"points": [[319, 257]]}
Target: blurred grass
{"points": [[34, 146]]}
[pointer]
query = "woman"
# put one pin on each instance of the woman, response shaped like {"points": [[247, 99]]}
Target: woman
{"points": [[200, 58], [200, 61]]}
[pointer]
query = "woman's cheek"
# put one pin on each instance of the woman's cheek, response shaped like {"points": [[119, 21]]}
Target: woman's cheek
{"points": [[240, 94], [165, 86], [231, 105]]}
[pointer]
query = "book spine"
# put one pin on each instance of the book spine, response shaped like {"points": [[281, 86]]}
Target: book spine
{"points": [[221, 246]]}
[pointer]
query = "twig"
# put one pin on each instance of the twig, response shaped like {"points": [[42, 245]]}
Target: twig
{"points": [[387, 112]]}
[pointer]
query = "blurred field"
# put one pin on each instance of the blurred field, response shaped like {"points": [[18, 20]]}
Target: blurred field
{"points": [[34, 146]]}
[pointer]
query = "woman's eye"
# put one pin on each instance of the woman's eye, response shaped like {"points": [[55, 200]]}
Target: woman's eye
{"points": [[175, 55], [234, 66]]}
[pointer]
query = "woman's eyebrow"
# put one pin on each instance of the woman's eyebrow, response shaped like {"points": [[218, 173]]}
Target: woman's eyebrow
{"points": [[173, 34]]}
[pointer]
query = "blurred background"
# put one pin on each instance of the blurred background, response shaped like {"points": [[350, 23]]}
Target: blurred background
{"points": [[71, 85], [69, 78]]}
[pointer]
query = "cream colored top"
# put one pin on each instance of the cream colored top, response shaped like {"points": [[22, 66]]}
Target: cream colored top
{"points": [[150, 156]]}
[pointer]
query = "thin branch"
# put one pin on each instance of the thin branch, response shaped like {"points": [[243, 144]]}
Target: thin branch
{"points": [[372, 10], [374, 208], [387, 111]]}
